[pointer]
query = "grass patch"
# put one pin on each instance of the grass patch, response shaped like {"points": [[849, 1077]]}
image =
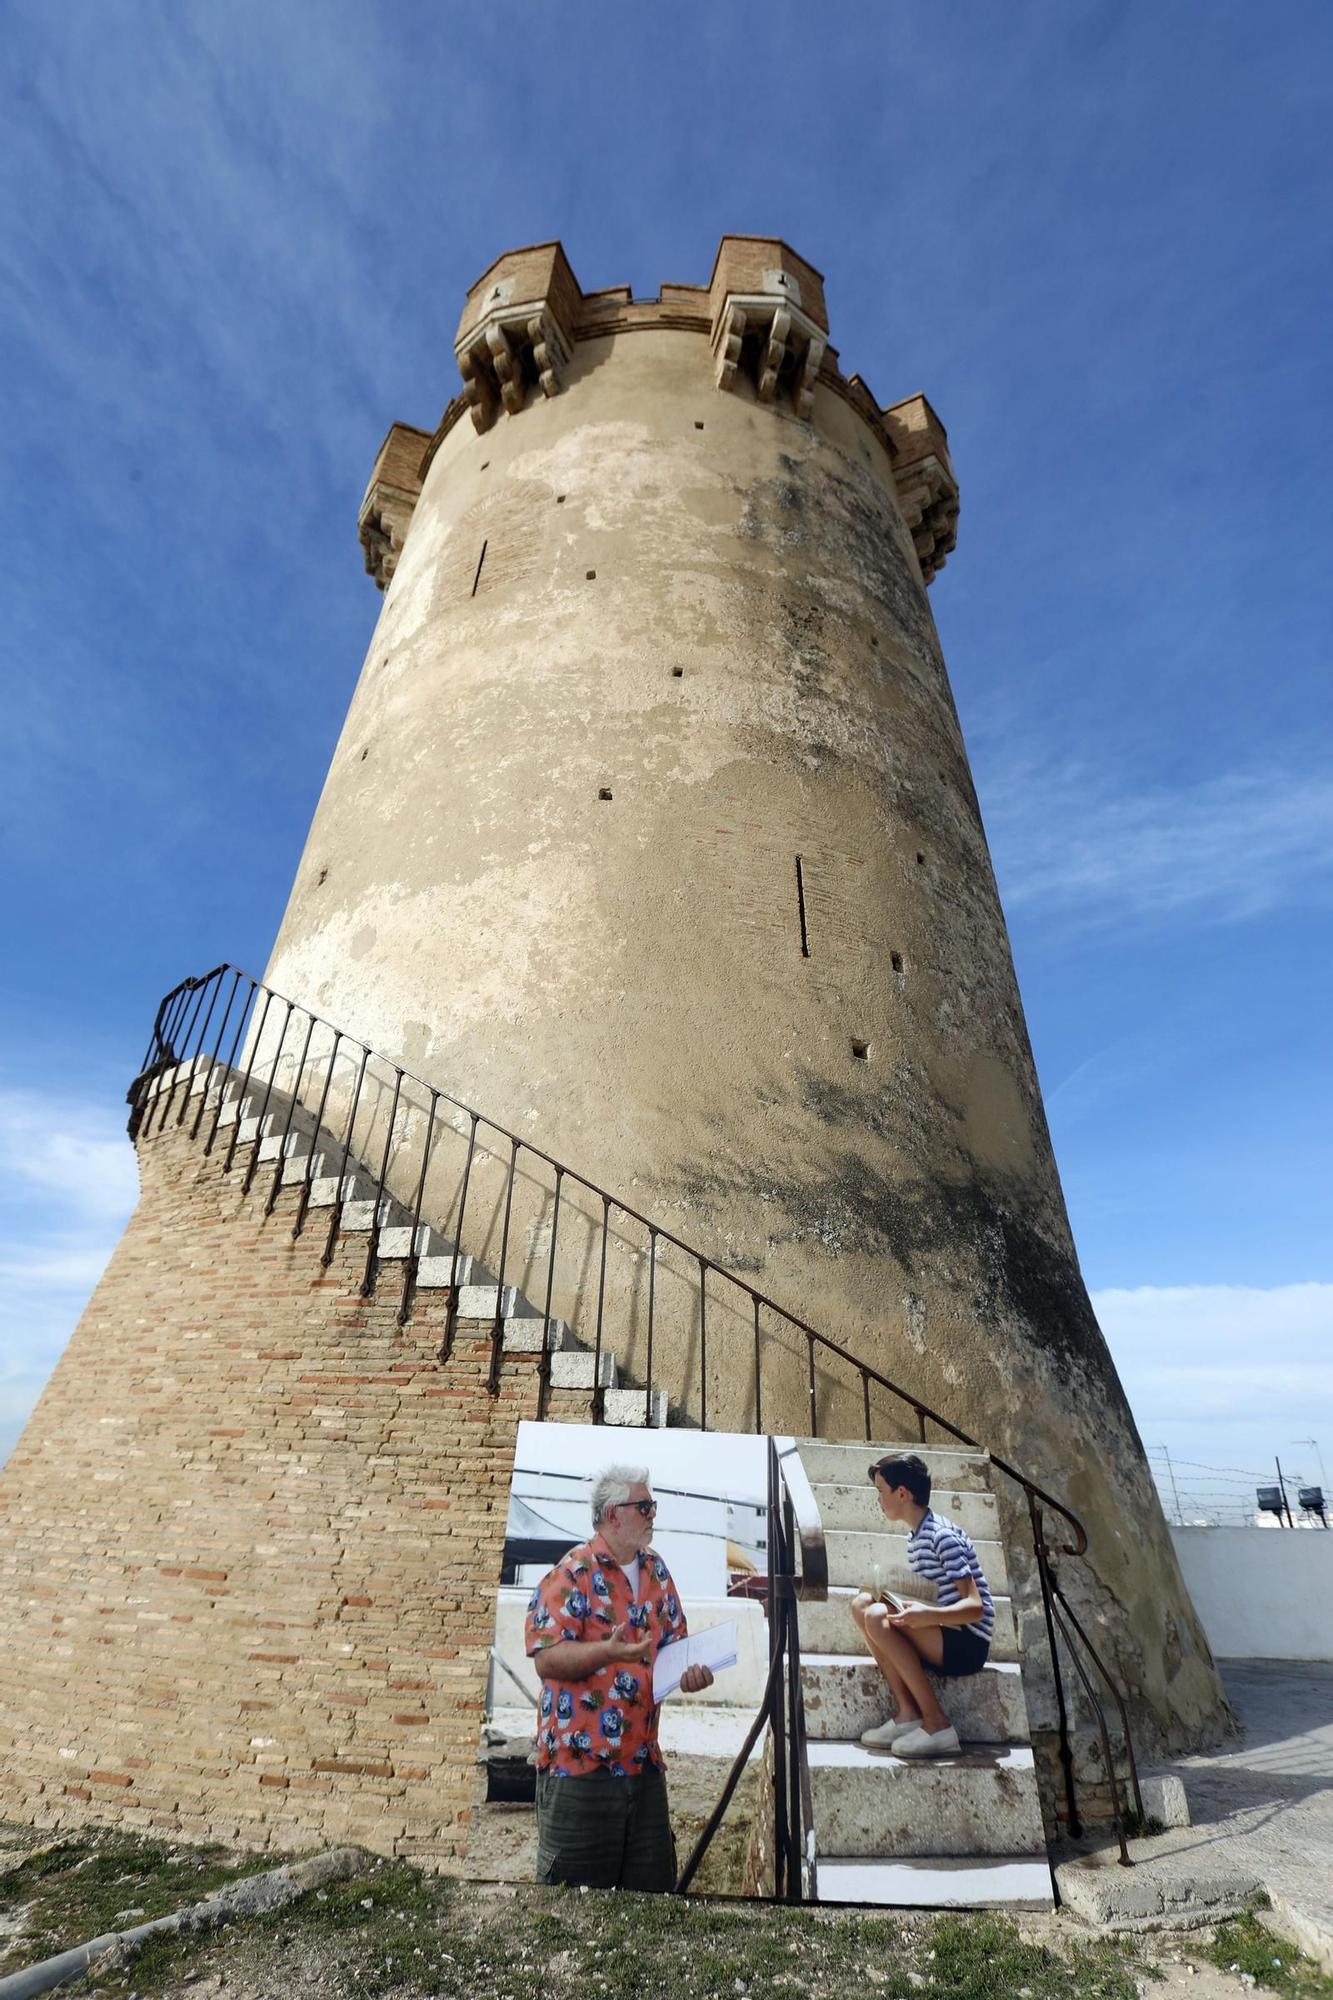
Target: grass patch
{"points": [[91, 1883], [392, 1930], [395, 1932], [1245, 1945]]}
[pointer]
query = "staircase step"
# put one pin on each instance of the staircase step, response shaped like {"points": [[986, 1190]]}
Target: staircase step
{"points": [[627, 1407], [852, 1557], [871, 1803], [524, 1336], [478, 1301], [574, 1370], [359, 1215], [858, 1507], [397, 1241], [845, 1694], [938, 1882], [324, 1189], [330, 1158], [275, 1122], [956, 1470], [238, 1103], [448, 1269], [294, 1147], [826, 1626]]}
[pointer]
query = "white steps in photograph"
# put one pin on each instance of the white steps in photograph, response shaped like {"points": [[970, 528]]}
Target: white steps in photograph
{"points": [[869, 1802], [960, 1832], [1009, 1883], [825, 1624], [844, 1696], [952, 1468], [855, 1554]]}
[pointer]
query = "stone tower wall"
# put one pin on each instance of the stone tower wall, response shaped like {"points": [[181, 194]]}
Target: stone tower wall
{"points": [[655, 632]]}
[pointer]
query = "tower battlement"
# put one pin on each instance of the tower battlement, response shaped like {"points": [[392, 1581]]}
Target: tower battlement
{"points": [[764, 317]]}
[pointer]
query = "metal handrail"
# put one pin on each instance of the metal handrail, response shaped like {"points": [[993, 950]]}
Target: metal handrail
{"points": [[182, 1024], [782, 1705], [658, 1234], [812, 1581]]}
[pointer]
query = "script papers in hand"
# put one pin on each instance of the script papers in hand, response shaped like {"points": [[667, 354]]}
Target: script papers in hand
{"points": [[714, 1648]]}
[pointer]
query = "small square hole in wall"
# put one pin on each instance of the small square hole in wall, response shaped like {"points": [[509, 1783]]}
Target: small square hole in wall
{"points": [[676, 673], [920, 860], [592, 575], [559, 499], [604, 792], [860, 1049], [896, 960], [698, 423]]}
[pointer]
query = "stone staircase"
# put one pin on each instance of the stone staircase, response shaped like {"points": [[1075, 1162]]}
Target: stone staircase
{"points": [[962, 1831], [293, 1135]]}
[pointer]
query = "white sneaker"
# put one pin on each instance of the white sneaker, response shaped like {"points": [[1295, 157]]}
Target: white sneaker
{"points": [[888, 1733], [920, 1743]]}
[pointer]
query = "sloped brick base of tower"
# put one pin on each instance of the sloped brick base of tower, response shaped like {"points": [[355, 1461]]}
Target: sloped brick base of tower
{"points": [[250, 1540]]}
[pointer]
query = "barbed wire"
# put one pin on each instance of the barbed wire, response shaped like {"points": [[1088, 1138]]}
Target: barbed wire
{"points": [[1195, 1494]]}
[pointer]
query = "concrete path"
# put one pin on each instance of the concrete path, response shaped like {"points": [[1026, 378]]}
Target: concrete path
{"points": [[1270, 1800], [1262, 1812]]}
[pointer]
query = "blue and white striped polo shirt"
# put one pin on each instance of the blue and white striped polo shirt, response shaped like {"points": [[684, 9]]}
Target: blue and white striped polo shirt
{"points": [[940, 1552]]}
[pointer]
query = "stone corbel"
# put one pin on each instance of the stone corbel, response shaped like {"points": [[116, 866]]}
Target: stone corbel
{"points": [[390, 500], [498, 357], [727, 346], [385, 519], [923, 478], [787, 336], [779, 333], [928, 497]]}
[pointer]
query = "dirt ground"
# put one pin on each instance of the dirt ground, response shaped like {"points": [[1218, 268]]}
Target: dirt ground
{"points": [[393, 1932], [503, 1846]]}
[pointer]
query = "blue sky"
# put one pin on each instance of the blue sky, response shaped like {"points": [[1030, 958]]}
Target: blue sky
{"points": [[233, 246]]}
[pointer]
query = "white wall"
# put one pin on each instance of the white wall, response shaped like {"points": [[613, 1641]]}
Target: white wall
{"points": [[1262, 1593]]}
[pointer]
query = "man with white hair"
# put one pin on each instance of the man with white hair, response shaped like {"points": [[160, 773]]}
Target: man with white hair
{"points": [[596, 1622]]}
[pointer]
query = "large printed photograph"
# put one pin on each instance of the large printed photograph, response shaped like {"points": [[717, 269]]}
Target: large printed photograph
{"points": [[669, 1577], [813, 1634]]}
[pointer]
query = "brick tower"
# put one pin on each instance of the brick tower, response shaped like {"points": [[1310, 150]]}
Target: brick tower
{"points": [[650, 833]]}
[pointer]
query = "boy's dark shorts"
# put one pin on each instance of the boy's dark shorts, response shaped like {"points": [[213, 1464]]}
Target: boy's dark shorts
{"points": [[965, 1652]]}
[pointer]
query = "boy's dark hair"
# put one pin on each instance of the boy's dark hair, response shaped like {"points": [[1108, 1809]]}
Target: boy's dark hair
{"points": [[904, 1469]]}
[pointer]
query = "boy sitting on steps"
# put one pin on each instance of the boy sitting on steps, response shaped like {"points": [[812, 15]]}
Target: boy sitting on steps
{"points": [[951, 1638]]}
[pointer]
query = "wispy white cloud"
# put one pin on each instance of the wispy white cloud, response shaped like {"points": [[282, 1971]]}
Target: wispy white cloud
{"points": [[67, 1184], [1233, 846], [1227, 1376], [73, 1151]]}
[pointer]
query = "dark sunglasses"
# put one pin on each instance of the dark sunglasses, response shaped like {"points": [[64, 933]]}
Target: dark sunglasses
{"points": [[646, 1507]]}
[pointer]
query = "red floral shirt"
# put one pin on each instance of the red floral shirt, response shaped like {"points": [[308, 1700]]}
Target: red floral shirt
{"points": [[609, 1720]]}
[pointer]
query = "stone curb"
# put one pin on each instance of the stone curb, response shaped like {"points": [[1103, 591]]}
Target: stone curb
{"points": [[1139, 1899], [1313, 1933], [251, 1897]]}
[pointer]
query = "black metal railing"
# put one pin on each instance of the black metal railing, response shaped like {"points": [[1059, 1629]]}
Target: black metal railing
{"points": [[791, 1865], [478, 1181]]}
